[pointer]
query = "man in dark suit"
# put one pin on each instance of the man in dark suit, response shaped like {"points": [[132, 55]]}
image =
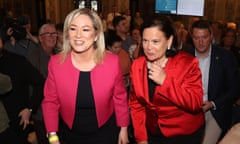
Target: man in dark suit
{"points": [[19, 104], [219, 77]]}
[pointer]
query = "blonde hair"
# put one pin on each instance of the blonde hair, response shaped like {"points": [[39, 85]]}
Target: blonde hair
{"points": [[97, 24]]}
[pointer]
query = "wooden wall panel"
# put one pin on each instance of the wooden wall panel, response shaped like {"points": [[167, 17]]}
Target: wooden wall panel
{"points": [[56, 10], [20, 7], [219, 10], [209, 8], [230, 12], [64, 8], [122, 5]]}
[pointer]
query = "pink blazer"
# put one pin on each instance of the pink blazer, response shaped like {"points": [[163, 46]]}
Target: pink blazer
{"points": [[176, 107], [61, 86]]}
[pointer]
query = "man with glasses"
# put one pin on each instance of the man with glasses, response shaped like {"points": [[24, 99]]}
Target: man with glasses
{"points": [[47, 41], [39, 58]]}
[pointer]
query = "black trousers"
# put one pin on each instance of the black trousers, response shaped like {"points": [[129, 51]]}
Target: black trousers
{"points": [[40, 131], [195, 138], [9, 137], [107, 134], [18, 129]]}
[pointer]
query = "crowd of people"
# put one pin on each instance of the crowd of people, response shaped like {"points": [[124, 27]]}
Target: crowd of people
{"points": [[118, 81]]}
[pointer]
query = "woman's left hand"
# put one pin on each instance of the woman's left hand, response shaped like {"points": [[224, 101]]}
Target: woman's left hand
{"points": [[123, 136]]}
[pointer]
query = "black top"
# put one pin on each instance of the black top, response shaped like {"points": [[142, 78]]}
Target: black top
{"points": [[151, 88], [85, 120], [85, 127]]}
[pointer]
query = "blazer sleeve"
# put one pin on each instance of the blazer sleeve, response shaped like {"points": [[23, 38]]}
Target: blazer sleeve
{"points": [[138, 117], [50, 104], [137, 110], [120, 99]]}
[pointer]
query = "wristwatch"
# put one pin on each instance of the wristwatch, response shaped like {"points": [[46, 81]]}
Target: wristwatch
{"points": [[51, 134], [30, 109]]}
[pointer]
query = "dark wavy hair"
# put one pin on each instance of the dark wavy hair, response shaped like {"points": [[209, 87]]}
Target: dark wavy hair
{"points": [[164, 24]]}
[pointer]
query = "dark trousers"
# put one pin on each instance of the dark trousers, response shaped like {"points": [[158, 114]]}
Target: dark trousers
{"points": [[195, 138], [9, 137], [40, 131], [22, 134], [107, 134]]}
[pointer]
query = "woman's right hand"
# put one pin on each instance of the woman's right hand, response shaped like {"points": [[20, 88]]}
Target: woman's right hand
{"points": [[56, 142]]}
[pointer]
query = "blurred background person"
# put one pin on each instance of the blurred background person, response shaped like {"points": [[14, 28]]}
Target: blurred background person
{"points": [[16, 36], [5, 130], [134, 49], [182, 35], [110, 17], [19, 103], [24, 20], [128, 17], [114, 44], [217, 31], [39, 58], [104, 21], [122, 30], [137, 20]]}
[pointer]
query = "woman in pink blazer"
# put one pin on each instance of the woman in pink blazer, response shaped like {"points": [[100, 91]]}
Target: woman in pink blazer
{"points": [[166, 92], [85, 86]]}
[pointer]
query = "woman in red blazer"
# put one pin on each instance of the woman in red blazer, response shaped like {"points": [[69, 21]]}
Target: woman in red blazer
{"points": [[166, 91], [85, 85]]}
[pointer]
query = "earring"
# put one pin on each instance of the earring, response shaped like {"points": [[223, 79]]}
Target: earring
{"points": [[169, 47]]}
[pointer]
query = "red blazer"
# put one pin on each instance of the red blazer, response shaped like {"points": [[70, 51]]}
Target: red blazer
{"points": [[61, 86], [177, 104]]}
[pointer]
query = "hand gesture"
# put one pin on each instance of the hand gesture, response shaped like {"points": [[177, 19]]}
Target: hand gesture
{"points": [[25, 116], [156, 72]]}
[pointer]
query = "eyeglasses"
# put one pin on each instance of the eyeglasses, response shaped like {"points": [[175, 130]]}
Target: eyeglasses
{"points": [[48, 34]]}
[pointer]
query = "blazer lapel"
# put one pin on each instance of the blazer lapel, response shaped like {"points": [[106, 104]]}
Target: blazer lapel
{"points": [[213, 68]]}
